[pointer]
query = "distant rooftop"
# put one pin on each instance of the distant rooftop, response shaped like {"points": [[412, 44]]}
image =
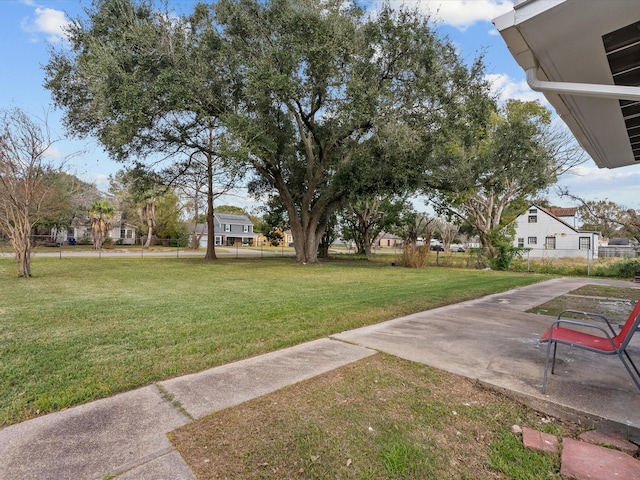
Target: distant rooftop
{"points": [[562, 212]]}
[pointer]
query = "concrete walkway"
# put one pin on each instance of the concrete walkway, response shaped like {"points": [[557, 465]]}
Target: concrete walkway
{"points": [[491, 339]]}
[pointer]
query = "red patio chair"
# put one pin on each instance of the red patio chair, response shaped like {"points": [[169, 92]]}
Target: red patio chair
{"points": [[603, 342]]}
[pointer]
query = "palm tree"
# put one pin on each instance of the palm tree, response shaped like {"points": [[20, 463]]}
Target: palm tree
{"points": [[147, 213], [100, 213]]}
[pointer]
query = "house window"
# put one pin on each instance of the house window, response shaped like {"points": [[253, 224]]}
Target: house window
{"points": [[532, 240], [123, 233], [533, 210], [227, 227], [550, 243], [245, 228], [520, 242], [584, 243], [533, 219], [218, 240]]}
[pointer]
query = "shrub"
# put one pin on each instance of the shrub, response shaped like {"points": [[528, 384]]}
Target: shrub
{"points": [[627, 268], [414, 256]]}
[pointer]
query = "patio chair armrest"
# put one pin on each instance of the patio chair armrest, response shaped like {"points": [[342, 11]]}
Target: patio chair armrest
{"points": [[587, 315], [582, 324]]}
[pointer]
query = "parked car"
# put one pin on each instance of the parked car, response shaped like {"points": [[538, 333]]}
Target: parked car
{"points": [[457, 249], [437, 248]]}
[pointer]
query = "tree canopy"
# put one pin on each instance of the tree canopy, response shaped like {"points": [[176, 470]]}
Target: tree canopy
{"points": [[149, 85], [335, 103], [319, 98], [502, 168]]}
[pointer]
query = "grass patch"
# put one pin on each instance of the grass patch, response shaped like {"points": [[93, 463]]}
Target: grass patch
{"points": [[379, 418], [509, 456], [608, 291], [85, 328], [615, 303]]}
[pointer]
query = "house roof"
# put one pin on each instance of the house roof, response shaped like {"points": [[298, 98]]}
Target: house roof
{"points": [[563, 212], [228, 218], [388, 236], [225, 219], [590, 51]]}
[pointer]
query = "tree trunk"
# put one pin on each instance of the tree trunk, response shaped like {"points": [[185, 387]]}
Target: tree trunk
{"points": [[149, 233], [22, 247], [487, 244], [195, 238], [211, 234], [366, 241], [323, 250], [306, 240], [24, 259]]}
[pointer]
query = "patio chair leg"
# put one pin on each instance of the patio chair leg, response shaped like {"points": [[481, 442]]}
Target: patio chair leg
{"points": [[553, 364], [546, 366], [633, 377], [631, 362]]}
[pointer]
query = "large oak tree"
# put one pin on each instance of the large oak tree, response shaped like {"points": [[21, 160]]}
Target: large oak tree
{"points": [[334, 103], [321, 99]]}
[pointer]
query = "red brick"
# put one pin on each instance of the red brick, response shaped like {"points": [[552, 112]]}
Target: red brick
{"points": [[536, 440], [617, 441], [582, 461]]}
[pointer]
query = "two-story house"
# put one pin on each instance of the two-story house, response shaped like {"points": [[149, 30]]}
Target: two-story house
{"points": [[546, 235], [230, 230]]}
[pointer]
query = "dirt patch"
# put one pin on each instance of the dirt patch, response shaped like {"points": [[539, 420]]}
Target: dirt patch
{"points": [[382, 417], [613, 302]]}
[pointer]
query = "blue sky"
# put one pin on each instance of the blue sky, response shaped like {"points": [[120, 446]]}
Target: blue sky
{"points": [[29, 27]]}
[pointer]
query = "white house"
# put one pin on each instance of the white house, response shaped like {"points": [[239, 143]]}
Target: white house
{"points": [[545, 235], [121, 233]]}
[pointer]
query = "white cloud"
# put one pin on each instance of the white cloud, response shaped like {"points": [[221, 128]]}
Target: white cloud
{"points": [[55, 152], [47, 21], [460, 14], [589, 182], [100, 180], [507, 88]]}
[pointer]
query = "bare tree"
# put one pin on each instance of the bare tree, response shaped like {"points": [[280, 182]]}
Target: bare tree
{"points": [[606, 216], [413, 226], [26, 189], [448, 231]]}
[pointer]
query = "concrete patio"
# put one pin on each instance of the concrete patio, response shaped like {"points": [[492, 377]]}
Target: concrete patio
{"points": [[491, 339]]}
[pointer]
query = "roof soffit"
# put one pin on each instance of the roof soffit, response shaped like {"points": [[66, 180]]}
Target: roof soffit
{"points": [[564, 39]]}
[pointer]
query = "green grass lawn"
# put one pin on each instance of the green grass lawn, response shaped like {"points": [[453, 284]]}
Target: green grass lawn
{"points": [[378, 418], [84, 328]]}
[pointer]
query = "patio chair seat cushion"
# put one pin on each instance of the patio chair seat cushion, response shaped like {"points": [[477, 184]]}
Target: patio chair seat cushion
{"points": [[581, 339]]}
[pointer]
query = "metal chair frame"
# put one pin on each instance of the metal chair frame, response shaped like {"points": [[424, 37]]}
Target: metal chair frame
{"points": [[609, 343]]}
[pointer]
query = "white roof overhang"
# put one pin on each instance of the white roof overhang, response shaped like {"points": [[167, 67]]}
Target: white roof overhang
{"points": [[585, 57]]}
